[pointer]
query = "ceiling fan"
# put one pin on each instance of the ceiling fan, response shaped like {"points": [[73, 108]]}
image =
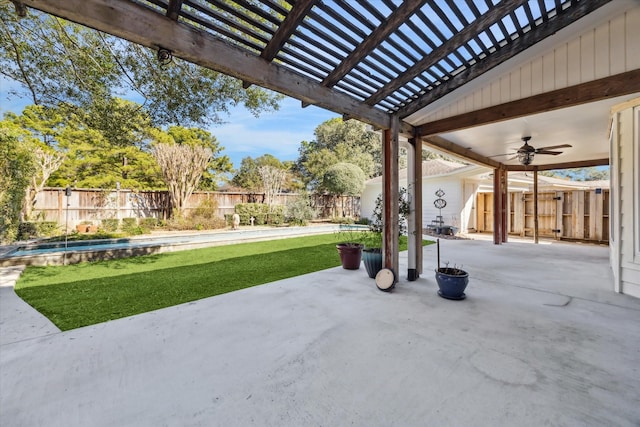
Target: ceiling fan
{"points": [[526, 153]]}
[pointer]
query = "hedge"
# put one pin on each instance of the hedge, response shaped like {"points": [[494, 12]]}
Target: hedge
{"points": [[261, 213]]}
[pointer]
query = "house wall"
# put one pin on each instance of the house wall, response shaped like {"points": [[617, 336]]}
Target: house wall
{"points": [[452, 186], [625, 198], [604, 50]]}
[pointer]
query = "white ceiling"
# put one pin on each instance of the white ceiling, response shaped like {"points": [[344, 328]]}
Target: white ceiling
{"points": [[585, 127]]}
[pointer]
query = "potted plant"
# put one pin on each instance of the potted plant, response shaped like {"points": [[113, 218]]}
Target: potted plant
{"points": [[350, 250], [452, 281], [372, 252]]}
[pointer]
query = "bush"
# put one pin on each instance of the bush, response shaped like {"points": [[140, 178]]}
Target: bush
{"points": [[48, 228], [27, 230], [299, 210], [205, 216], [130, 226], [149, 223], [261, 213], [110, 225]]}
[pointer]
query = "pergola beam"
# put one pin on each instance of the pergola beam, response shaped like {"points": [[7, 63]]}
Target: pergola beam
{"points": [[447, 146], [608, 87], [287, 28], [144, 26], [173, 9], [565, 165]]}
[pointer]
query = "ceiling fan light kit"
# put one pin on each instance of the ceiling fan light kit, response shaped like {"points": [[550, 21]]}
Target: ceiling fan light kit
{"points": [[526, 153]]}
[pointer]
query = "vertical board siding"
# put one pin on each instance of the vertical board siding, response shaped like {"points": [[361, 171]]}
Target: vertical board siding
{"points": [[606, 50], [632, 47]]}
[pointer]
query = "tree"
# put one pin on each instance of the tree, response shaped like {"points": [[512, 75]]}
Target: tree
{"points": [[96, 155], [46, 161], [56, 61], [16, 167], [593, 173], [248, 176], [219, 164], [272, 179], [182, 167], [339, 141], [344, 179]]}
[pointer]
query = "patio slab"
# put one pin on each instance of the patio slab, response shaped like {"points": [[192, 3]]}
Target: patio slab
{"points": [[540, 340]]}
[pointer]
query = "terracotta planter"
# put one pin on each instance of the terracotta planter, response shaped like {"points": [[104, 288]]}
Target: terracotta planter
{"points": [[350, 255]]}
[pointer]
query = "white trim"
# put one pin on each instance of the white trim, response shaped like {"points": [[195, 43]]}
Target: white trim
{"points": [[636, 184]]}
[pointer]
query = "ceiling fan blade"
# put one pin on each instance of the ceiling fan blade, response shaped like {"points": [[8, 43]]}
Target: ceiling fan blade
{"points": [[553, 153], [551, 147], [500, 155]]}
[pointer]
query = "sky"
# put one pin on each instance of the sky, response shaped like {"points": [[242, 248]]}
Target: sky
{"points": [[278, 133]]}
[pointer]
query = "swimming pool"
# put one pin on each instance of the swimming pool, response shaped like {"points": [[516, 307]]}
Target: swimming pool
{"points": [[78, 251]]}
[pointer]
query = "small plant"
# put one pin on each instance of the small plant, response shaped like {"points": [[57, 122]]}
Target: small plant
{"points": [[351, 235]]}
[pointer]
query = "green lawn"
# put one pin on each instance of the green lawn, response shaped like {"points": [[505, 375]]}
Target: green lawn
{"points": [[84, 294]]}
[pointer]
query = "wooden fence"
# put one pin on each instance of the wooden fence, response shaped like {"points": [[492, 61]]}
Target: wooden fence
{"points": [[94, 205], [573, 215]]}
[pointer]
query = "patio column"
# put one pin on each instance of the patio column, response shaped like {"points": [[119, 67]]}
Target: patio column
{"points": [[500, 206], [535, 205], [497, 207], [504, 178], [390, 192], [414, 191]]}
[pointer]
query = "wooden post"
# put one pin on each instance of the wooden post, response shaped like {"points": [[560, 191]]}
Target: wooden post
{"points": [[497, 207], [390, 193], [504, 194], [417, 201], [535, 205], [414, 232]]}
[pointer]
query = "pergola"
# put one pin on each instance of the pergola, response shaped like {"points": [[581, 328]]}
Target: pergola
{"points": [[388, 63]]}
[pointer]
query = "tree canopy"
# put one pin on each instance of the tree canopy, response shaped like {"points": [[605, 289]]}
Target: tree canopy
{"points": [[58, 62], [344, 179], [339, 141]]}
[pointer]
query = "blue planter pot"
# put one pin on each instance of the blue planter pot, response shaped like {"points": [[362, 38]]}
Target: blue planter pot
{"points": [[452, 282], [372, 261]]}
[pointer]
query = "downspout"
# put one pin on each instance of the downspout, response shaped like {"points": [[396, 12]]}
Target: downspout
{"points": [[390, 193]]}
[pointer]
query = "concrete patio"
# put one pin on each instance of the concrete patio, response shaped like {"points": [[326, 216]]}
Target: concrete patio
{"points": [[540, 340]]}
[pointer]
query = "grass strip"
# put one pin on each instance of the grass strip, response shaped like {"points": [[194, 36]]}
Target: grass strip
{"points": [[84, 294]]}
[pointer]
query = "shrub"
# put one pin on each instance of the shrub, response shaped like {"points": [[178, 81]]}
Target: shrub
{"points": [[47, 228], [261, 213], [205, 216], [149, 223], [130, 226], [27, 230], [110, 225], [299, 210]]}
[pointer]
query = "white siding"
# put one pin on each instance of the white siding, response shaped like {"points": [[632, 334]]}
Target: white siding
{"points": [[610, 48], [625, 200], [451, 185]]}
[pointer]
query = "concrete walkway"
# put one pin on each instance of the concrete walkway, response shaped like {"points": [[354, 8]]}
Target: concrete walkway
{"points": [[540, 340]]}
